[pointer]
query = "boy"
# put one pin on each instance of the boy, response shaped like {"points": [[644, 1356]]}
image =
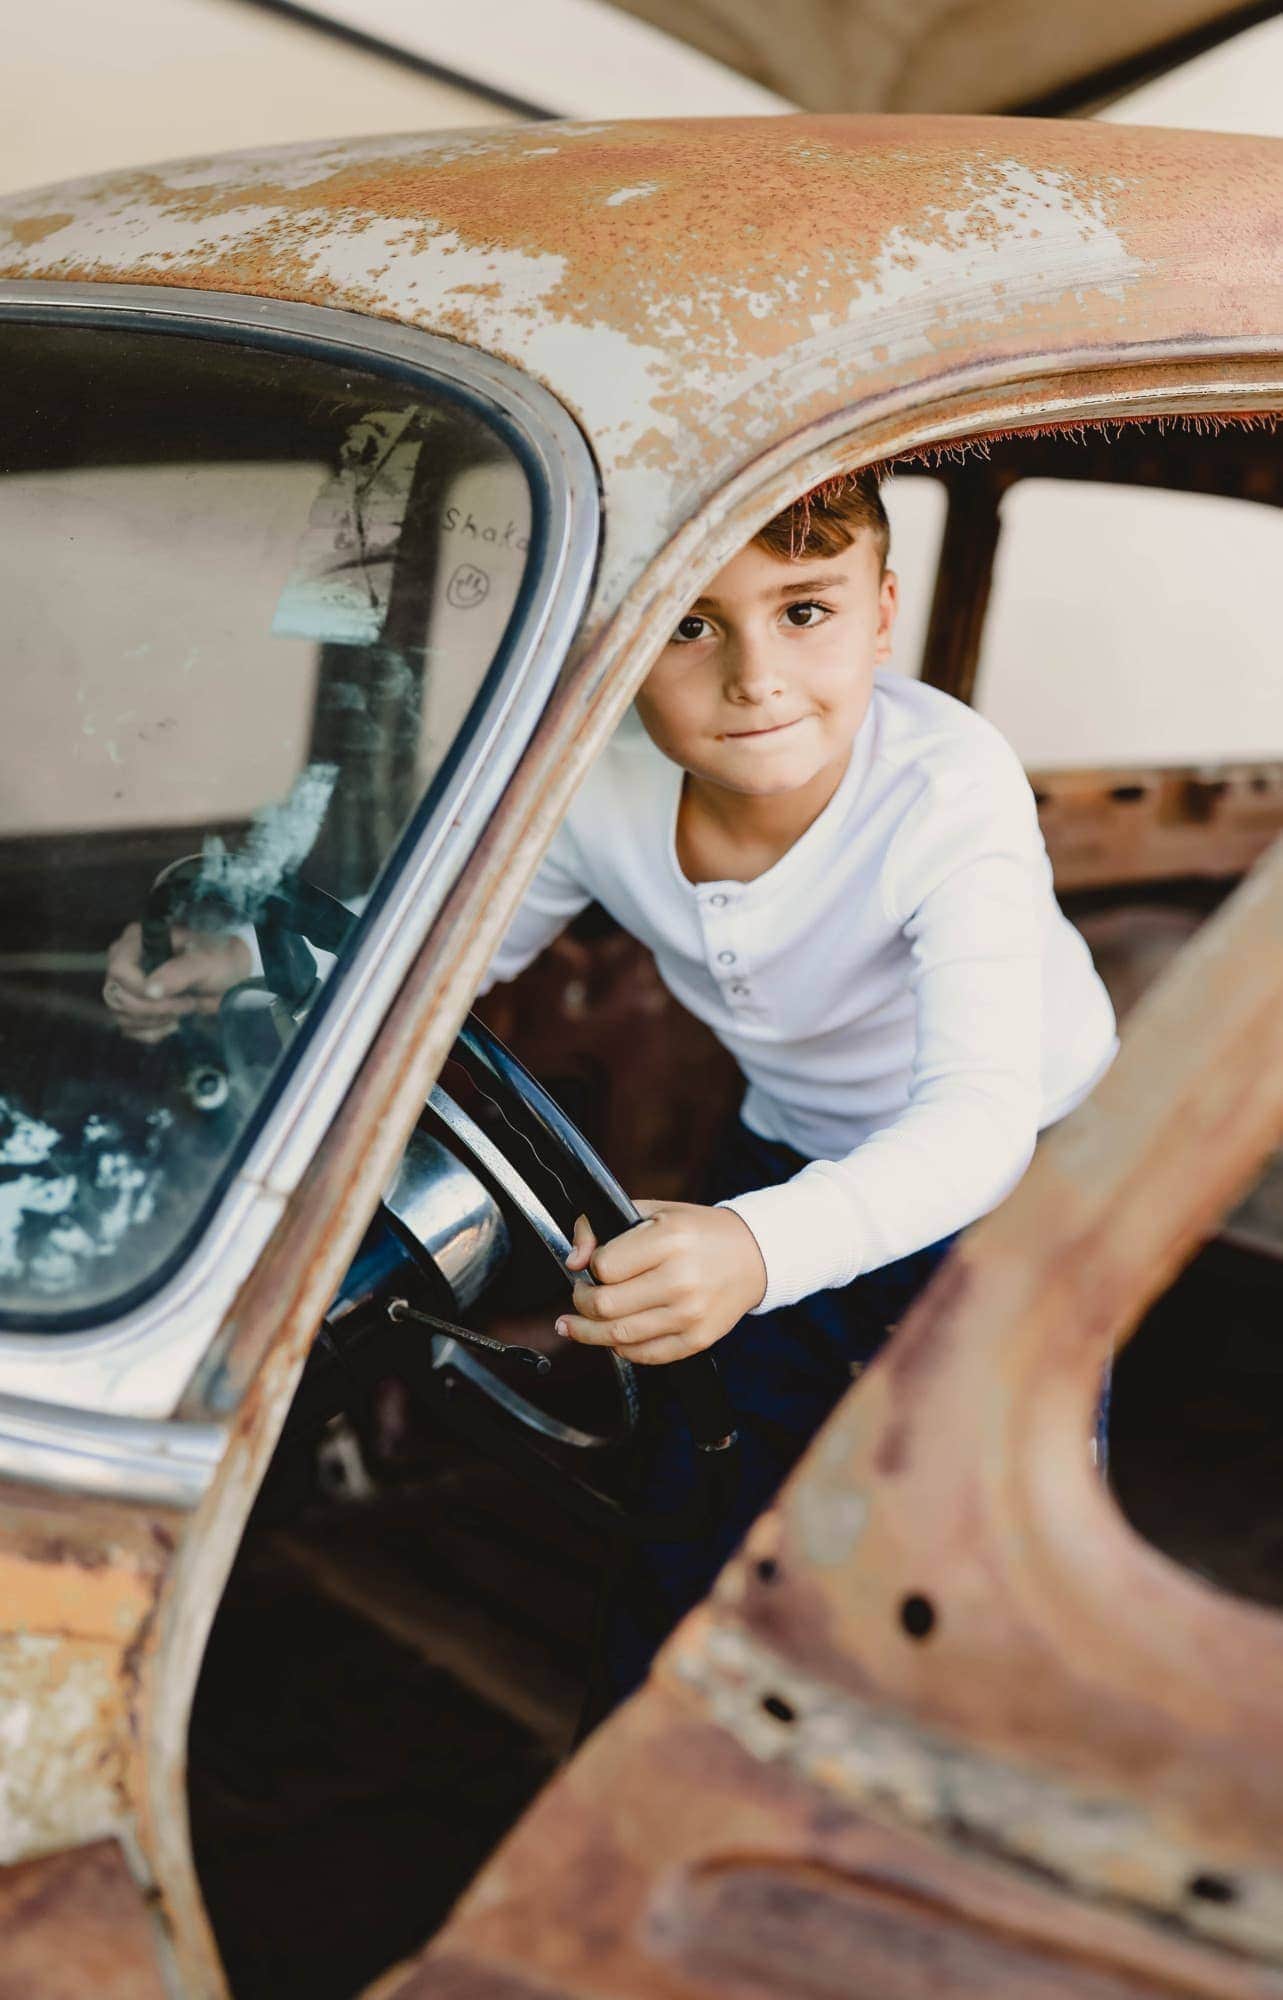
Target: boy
{"points": [[841, 872]]}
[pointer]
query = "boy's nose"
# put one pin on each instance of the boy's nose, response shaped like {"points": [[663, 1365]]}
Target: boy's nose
{"points": [[752, 673]]}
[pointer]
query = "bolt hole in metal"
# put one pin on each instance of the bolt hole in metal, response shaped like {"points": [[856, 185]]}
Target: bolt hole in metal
{"points": [[1213, 1888], [918, 1615], [776, 1706]]}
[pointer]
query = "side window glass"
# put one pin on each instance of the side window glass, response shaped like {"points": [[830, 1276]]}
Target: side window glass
{"points": [[1131, 625], [250, 599]]}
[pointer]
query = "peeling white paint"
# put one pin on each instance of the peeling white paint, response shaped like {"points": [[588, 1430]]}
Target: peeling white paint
{"points": [[1016, 235], [58, 1773], [1032, 222]]}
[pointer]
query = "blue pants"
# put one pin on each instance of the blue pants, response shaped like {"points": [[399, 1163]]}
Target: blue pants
{"points": [[783, 1372]]}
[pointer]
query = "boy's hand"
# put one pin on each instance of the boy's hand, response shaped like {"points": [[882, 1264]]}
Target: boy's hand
{"points": [[666, 1289], [149, 1005]]}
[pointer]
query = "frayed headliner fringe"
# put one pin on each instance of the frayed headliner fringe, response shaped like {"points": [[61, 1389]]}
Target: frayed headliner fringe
{"points": [[1208, 424]]}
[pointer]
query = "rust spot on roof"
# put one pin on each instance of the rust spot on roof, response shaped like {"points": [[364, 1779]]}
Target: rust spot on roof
{"points": [[34, 229]]}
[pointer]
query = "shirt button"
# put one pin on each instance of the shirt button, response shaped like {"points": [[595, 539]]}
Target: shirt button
{"points": [[740, 992], [719, 901], [726, 958]]}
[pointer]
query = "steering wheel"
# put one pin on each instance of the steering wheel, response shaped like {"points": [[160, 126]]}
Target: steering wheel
{"points": [[537, 1117], [540, 1144]]}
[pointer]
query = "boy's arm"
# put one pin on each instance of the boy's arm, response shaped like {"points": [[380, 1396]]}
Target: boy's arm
{"points": [[964, 880]]}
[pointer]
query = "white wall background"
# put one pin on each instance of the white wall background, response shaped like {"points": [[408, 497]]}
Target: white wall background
{"points": [[89, 85]]}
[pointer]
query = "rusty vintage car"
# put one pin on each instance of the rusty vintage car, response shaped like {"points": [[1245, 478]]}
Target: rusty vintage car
{"points": [[347, 494]]}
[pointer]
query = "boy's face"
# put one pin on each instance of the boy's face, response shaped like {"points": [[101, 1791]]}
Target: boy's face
{"points": [[768, 677]]}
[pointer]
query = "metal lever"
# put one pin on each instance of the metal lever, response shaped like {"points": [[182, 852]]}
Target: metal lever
{"points": [[401, 1309]]}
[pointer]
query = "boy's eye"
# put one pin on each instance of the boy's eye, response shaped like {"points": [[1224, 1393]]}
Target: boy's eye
{"points": [[807, 613], [692, 626]]}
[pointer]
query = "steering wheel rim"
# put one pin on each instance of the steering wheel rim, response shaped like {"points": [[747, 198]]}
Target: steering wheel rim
{"points": [[482, 1151], [539, 1119]]}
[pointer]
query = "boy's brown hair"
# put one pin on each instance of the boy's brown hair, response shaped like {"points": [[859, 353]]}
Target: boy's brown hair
{"points": [[827, 520]]}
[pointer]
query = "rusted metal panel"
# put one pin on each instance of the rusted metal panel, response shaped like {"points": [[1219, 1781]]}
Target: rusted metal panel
{"points": [[79, 1585], [674, 1861], [1105, 827], [695, 290], [76, 1925]]}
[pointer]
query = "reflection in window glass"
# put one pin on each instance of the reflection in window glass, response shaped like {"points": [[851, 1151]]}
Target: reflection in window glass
{"points": [[1134, 625], [916, 508], [249, 599]]}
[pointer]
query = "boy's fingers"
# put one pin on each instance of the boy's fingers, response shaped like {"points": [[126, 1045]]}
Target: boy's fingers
{"points": [[638, 1250], [657, 1353], [620, 1334], [147, 1031], [124, 962], [128, 989], [606, 1302], [190, 967], [130, 1008], [585, 1243]]}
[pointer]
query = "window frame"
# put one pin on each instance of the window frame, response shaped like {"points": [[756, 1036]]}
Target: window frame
{"points": [[135, 1358]]}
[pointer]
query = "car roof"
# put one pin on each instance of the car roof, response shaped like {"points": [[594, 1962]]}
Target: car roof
{"points": [[698, 291]]}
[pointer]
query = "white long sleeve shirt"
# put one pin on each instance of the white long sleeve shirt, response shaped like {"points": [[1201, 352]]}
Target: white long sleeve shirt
{"points": [[903, 994]]}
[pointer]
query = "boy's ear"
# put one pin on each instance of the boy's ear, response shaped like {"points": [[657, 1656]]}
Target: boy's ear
{"points": [[888, 606]]}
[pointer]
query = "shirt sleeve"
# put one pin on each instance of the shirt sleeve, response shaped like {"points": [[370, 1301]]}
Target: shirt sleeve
{"points": [[557, 893], [964, 879]]}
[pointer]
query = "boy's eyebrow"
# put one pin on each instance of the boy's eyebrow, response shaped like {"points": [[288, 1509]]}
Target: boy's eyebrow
{"points": [[805, 589], [812, 584]]}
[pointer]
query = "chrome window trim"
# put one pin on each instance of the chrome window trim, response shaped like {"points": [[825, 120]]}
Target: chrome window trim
{"points": [[136, 1367], [144, 1459]]}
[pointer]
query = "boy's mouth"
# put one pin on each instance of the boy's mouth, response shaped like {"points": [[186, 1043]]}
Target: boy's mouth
{"points": [[772, 729]]}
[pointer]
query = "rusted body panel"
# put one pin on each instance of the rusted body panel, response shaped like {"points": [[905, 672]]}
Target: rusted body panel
{"points": [[697, 291], [1155, 825], [734, 310], [76, 1924], [78, 1584], [674, 1862]]}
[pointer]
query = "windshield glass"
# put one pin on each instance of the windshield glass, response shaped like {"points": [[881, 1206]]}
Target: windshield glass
{"points": [[249, 598]]}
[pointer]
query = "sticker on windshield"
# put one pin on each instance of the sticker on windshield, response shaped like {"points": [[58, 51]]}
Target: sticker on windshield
{"points": [[339, 588]]}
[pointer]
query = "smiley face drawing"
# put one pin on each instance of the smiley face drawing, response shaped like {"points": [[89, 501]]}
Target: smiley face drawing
{"points": [[467, 586]]}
